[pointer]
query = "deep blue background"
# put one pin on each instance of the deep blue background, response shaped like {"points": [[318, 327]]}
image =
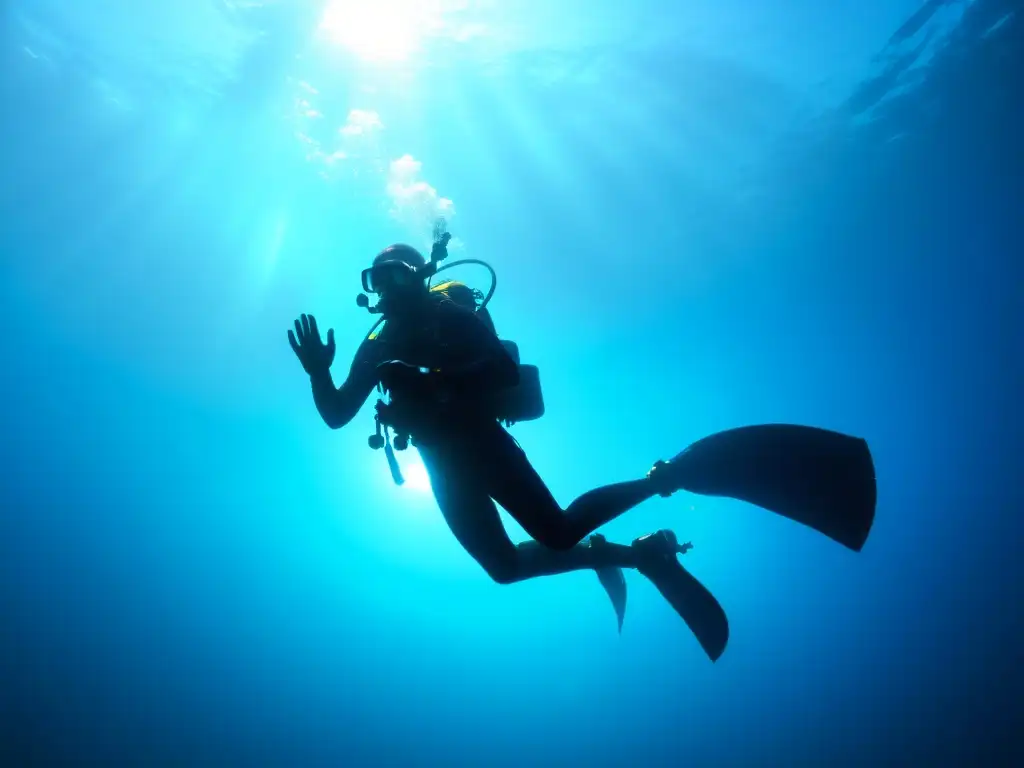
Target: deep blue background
{"points": [[193, 570]]}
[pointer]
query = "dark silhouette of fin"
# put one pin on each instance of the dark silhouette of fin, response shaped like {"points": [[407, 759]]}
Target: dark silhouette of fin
{"points": [[823, 479], [692, 601], [614, 583]]}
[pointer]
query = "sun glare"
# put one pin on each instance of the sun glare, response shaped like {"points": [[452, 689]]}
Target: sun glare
{"points": [[416, 477], [379, 30]]}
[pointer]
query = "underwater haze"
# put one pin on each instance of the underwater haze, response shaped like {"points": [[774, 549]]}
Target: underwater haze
{"points": [[701, 214]]}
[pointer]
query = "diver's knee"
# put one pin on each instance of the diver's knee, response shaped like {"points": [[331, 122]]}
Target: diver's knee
{"points": [[559, 538], [502, 572]]}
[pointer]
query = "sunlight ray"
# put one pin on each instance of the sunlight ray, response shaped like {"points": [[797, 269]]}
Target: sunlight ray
{"points": [[146, 178], [384, 31], [528, 130]]}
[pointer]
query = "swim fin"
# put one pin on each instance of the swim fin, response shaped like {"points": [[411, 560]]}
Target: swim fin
{"points": [[823, 479], [691, 600], [614, 583]]}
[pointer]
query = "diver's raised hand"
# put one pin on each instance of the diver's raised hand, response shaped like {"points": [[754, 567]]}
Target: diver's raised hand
{"points": [[315, 356]]}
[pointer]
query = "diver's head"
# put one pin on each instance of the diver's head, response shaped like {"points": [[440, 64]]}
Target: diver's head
{"points": [[403, 253], [394, 277]]}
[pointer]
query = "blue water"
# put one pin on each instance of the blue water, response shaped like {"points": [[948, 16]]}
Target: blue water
{"points": [[702, 215]]}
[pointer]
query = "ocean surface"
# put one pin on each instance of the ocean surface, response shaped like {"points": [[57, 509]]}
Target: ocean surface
{"points": [[701, 215]]}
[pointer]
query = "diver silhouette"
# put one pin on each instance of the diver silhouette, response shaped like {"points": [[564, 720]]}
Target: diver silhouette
{"points": [[453, 386]]}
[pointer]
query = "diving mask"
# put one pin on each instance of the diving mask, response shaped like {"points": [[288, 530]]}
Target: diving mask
{"points": [[398, 268], [389, 275]]}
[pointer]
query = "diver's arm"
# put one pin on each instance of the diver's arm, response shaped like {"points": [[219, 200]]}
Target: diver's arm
{"points": [[337, 406]]}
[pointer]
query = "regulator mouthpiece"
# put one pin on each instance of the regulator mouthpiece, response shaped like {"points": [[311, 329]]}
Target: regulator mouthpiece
{"points": [[363, 301]]}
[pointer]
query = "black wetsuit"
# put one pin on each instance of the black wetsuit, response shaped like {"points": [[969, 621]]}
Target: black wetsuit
{"points": [[816, 477], [473, 462]]}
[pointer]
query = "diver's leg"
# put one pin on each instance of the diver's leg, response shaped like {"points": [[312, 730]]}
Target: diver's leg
{"points": [[511, 480], [822, 479], [474, 520]]}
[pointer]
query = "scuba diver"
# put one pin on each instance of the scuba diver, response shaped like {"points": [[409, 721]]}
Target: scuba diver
{"points": [[453, 386]]}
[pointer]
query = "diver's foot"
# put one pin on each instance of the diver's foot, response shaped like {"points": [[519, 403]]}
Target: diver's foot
{"points": [[664, 477], [660, 545]]}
